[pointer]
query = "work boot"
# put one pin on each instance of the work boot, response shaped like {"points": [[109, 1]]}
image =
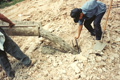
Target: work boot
{"points": [[26, 61]]}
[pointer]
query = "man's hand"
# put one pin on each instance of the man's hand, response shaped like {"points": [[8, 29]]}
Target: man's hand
{"points": [[76, 38], [11, 25], [3, 18]]}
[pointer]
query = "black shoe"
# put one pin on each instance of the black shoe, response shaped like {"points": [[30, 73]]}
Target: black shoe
{"points": [[27, 65], [26, 61]]}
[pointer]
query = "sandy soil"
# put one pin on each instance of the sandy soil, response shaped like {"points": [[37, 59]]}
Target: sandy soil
{"points": [[55, 17]]}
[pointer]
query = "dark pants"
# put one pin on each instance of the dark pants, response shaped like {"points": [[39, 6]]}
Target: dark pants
{"points": [[12, 48], [97, 26]]}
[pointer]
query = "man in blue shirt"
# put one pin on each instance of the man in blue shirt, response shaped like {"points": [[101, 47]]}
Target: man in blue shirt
{"points": [[92, 10]]}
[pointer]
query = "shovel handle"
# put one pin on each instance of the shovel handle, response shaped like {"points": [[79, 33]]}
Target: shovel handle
{"points": [[107, 15]]}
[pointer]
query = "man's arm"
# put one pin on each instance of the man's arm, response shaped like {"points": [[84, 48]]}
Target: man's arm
{"points": [[3, 18], [79, 31]]}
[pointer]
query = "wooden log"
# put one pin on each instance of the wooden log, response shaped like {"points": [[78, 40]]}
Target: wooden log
{"points": [[36, 31], [24, 28], [26, 31], [63, 45]]}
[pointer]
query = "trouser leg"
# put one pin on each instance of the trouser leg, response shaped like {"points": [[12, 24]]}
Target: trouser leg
{"points": [[87, 24], [5, 64], [12, 48], [97, 26]]}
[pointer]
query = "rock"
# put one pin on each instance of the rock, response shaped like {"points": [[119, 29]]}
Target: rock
{"points": [[83, 75], [51, 30], [60, 63], [81, 58], [45, 73], [75, 67], [92, 58], [118, 72], [118, 39], [101, 53], [49, 60], [47, 26], [80, 65], [103, 63], [109, 61], [116, 55], [63, 71], [41, 39], [40, 78], [104, 69], [117, 77], [102, 77], [77, 76], [104, 57], [99, 70], [119, 66], [33, 62], [111, 58], [98, 58], [55, 64], [35, 68]]}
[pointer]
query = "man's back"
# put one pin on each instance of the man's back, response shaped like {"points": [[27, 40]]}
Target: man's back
{"points": [[93, 7]]}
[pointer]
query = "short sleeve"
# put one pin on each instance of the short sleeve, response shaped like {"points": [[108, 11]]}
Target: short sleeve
{"points": [[81, 21]]}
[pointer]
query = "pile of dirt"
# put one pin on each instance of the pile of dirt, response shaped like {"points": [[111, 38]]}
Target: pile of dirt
{"points": [[52, 64]]}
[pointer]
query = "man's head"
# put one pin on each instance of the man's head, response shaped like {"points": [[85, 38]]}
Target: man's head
{"points": [[76, 14]]}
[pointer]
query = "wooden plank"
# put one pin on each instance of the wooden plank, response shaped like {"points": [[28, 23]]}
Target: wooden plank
{"points": [[39, 31]]}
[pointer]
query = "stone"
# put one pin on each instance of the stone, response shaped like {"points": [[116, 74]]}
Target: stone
{"points": [[117, 77], [104, 57], [116, 55], [109, 60], [60, 63], [83, 75], [63, 71], [80, 65], [45, 73], [102, 77], [118, 39], [55, 64], [75, 67], [82, 58], [77, 76], [101, 53], [98, 58], [112, 58], [99, 70], [104, 69], [41, 39], [119, 65], [47, 26], [119, 72], [103, 63], [33, 62]]}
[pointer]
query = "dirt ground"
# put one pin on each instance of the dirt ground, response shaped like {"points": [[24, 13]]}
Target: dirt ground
{"points": [[50, 64]]}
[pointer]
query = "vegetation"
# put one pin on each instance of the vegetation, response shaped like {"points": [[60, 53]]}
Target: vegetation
{"points": [[6, 3]]}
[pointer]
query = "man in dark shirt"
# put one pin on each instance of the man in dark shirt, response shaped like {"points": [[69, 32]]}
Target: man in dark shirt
{"points": [[12, 48]]}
